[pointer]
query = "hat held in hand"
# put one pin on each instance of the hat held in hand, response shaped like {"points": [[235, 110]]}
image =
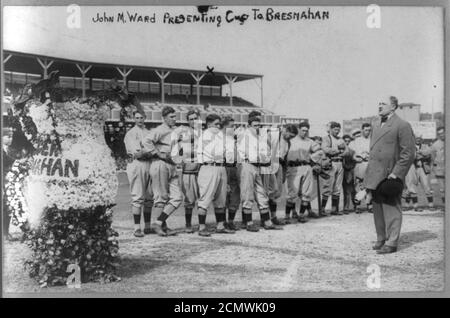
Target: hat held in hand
{"points": [[389, 190]]}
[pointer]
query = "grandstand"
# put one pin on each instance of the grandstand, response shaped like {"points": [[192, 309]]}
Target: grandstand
{"points": [[154, 86]]}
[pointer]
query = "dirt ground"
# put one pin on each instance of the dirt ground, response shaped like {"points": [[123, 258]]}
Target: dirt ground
{"points": [[329, 254]]}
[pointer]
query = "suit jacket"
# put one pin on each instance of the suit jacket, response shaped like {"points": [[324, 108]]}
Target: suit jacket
{"points": [[392, 150]]}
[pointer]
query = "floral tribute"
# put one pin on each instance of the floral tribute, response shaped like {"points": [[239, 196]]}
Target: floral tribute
{"points": [[62, 195]]}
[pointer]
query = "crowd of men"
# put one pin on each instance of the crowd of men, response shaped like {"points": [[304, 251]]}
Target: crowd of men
{"points": [[224, 167]]}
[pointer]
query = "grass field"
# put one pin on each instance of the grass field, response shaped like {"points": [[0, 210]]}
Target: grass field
{"points": [[328, 254]]}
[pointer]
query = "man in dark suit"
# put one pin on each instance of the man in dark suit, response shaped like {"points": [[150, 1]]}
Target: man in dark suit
{"points": [[392, 151]]}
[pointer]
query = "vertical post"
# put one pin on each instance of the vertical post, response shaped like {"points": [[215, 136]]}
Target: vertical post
{"points": [[162, 76], [45, 64], [83, 70], [124, 72], [262, 95], [198, 77], [231, 80]]}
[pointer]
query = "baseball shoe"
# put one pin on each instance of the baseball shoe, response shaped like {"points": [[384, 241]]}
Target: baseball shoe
{"points": [[277, 221], [158, 229], [252, 228], [313, 215], [272, 227], [189, 230], [302, 218], [149, 231], [224, 230], [138, 233], [231, 226], [346, 212], [322, 213], [294, 215], [418, 209], [287, 220], [169, 231], [204, 232]]}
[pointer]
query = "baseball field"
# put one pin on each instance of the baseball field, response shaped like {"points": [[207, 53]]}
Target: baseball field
{"points": [[329, 254]]}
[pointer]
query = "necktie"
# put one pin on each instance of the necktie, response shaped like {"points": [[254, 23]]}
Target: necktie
{"points": [[384, 119]]}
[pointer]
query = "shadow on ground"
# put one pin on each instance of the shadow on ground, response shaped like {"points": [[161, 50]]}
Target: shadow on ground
{"points": [[408, 239]]}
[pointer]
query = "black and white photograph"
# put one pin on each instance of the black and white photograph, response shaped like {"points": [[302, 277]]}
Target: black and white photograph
{"points": [[223, 150]]}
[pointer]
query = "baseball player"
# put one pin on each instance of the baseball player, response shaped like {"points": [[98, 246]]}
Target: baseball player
{"points": [[273, 175], [422, 165], [335, 148], [410, 190], [253, 153], [348, 182], [299, 175], [212, 177], [138, 172], [233, 190], [438, 161], [165, 181], [361, 148], [186, 149]]}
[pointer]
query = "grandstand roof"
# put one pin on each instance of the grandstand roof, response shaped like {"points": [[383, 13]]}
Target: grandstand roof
{"points": [[27, 63]]}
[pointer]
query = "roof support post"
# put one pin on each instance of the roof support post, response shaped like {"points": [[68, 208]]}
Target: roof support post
{"points": [[162, 76], [231, 80], [124, 72], [198, 77], [262, 91], [45, 64], [83, 70]]}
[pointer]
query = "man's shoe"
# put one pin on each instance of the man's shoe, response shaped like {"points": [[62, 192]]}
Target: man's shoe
{"points": [[322, 213], [189, 230], [294, 215], [277, 221], [346, 212], [287, 220], [272, 227], [313, 215], [339, 213], [204, 232], [231, 226], [158, 229], [418, 209], [224, 230], [252, 228], [169, 231], [387, 249], [378, 245], [302, 218], [138, 233], [149, 231], [243, 225]]}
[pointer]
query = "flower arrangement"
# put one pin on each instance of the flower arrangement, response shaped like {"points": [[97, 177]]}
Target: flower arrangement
{"points": [[14, 191], [82, 237], [62, 196]]}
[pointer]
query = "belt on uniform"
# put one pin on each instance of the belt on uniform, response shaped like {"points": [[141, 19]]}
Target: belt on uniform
{"points": [[298, 163], [258, 164], [336, 159], [230, 165], [214, 164]]}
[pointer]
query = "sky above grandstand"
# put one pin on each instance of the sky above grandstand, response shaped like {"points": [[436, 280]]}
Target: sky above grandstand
{"points": [[334, 68]]}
